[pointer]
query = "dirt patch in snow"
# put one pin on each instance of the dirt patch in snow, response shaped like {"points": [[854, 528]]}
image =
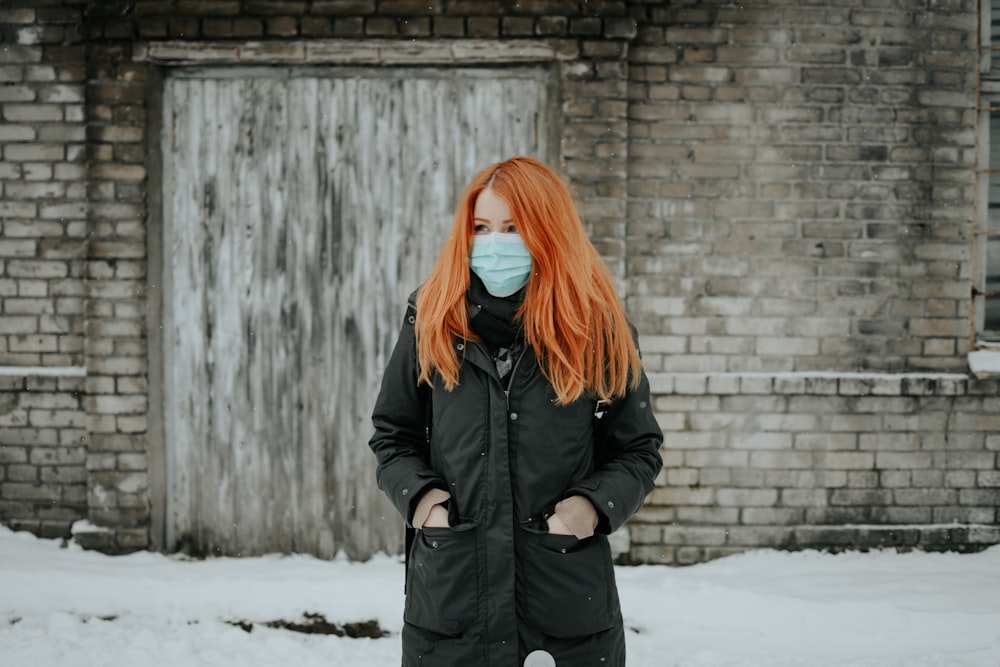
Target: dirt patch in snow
{"points": [[316, 624]]}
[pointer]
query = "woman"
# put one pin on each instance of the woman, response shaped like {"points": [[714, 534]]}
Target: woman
{"points": [[514, 432]]}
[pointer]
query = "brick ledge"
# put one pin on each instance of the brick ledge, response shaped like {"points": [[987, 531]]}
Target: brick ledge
{"points": [[820, 383], [48, 371], [696, 543]]}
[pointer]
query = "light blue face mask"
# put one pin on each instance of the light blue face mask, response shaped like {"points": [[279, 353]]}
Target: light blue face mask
{"points": [[501, 261]]}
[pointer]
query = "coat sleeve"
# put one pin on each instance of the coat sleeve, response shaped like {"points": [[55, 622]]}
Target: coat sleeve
{"points": [[628, 441], [400, 418]]}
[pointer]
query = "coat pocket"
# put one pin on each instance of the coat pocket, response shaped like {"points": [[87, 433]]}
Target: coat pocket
{"points": [[568, 585], [441, 582]]}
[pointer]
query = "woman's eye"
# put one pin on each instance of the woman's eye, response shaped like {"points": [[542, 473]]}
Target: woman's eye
{"points": [[481, 229], [511, 229]]}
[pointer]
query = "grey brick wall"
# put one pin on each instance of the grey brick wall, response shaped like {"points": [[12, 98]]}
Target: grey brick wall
{"points": [[801, 196], [43, 453], [43, 200], [801, 184], [44, 188], [786, 193], [828, 461]]}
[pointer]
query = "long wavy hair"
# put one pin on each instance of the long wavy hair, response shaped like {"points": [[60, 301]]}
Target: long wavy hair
{"points": [[571, 314]]}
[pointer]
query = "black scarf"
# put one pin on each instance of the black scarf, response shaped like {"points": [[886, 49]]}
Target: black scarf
{"points": [[492, 317]]}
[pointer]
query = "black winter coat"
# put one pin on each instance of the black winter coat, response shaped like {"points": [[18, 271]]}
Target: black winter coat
{"points": [[496, 585]]}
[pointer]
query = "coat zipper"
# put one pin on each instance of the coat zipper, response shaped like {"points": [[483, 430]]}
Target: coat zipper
{"points": [[510, 379], [510, 472]]}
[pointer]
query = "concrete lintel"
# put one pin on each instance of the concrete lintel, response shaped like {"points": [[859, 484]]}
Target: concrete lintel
{"points": [[354, 52], [186, 53]]}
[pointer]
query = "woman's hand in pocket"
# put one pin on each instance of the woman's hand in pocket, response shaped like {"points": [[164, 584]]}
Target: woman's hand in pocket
{"points": [[557, 527], [574, 516], [438, 518]]}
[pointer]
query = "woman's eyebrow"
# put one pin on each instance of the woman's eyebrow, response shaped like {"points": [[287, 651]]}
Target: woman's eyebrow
{"points": [[502, 222]]}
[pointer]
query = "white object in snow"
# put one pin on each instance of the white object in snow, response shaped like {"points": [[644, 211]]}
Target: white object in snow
{"points": [[539, 658]]}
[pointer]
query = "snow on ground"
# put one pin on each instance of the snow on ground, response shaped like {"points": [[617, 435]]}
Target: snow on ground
{"points": [[66, 606]]}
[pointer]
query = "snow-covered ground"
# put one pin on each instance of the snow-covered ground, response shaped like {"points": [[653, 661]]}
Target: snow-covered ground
{"points": [[64, 606]]}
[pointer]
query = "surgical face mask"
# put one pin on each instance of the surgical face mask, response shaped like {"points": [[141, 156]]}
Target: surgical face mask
{"points": [[501, 261]]}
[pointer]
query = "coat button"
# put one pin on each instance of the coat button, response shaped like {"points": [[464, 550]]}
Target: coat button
{"points": [[460, 347], [611, 504], [405, 491], [434, 544], [513, 416]]}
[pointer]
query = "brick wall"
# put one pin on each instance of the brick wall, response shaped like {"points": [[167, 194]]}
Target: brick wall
{"points": [[828, 461], [43, 176], [801, 196], [801, 184], [116, 325], [43, 199], [786, 193], [43, 453]]}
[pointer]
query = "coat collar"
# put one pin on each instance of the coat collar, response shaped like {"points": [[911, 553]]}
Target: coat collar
{"points": [[475, 353]]}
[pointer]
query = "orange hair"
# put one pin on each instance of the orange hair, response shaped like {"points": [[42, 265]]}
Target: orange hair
{"points": [[571, 314]]}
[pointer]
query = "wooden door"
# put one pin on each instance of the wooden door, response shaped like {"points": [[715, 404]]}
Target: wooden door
{"points": [[300, 208]]}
